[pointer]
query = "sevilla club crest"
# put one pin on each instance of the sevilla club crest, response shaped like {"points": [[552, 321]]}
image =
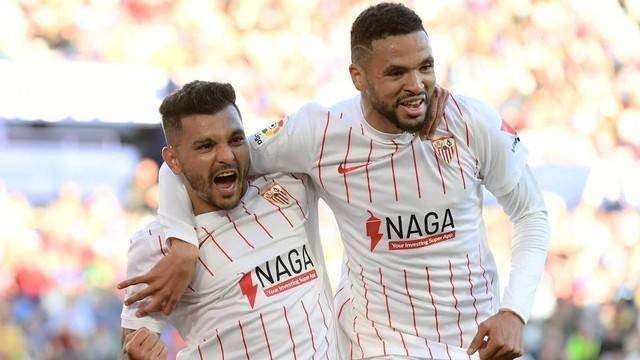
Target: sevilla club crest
{"points": [[444, 148]]}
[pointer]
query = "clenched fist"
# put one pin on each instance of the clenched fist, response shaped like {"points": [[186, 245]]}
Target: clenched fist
{"points": [[144, 344]]}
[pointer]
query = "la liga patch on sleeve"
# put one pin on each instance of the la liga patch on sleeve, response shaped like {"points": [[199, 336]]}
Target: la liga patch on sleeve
{"points": [[270, 131]]}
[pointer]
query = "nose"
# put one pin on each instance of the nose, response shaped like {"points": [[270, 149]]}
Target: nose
{"points": [[414, 83], [225, 154]]}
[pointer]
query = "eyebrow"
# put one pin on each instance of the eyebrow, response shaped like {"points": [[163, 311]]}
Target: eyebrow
{"points": [[392, 68], [201, 141]]}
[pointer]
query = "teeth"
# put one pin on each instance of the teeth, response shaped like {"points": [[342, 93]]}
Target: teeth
{"points": [[226, 173], [414, 102]]}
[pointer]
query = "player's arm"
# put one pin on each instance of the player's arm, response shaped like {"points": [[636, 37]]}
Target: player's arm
{"points": [[525, 207], [169, 277], [505, 173], [292, 144], [142, 344]]}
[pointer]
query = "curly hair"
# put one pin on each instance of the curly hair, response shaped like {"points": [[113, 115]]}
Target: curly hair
{"points": [[196, 97], [379, 21]]}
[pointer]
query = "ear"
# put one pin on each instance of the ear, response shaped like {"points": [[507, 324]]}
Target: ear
{"points": [[357, 76], [171, 158]]}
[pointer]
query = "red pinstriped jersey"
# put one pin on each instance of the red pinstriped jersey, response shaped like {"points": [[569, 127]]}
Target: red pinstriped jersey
{"points": [[260, 290], [419, 276]]}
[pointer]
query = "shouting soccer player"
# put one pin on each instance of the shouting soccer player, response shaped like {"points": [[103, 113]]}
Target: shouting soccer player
{"points": [[259, 289], [419, 278]]}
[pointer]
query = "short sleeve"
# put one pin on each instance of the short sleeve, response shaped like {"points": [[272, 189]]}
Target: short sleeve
{"points": [[174, 207], [502, 157], [290, 144], [144, 251]]}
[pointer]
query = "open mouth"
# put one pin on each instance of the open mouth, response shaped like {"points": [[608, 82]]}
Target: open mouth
{"points": [[413, 106], [226, 179]]}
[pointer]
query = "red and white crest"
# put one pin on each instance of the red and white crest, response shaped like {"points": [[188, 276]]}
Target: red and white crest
{"points": [[276, 194], [444, 148]]}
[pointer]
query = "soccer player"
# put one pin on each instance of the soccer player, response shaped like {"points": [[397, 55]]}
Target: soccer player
{"points": [[259, 290], [419, 279]]}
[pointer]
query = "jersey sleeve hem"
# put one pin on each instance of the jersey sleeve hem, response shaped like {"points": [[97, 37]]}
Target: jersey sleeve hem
{"points": [[137, 323]]}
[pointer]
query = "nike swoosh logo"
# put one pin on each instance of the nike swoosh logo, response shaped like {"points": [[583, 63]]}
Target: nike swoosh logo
{"points": [[345, 170]]}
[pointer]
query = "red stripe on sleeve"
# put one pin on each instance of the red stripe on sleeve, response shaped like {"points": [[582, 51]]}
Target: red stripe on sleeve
{"points": [[486, 282], [266, 338], [455, 304], [210, 235], [290, 333], [324, 137], [161, 248], [471, 291]]}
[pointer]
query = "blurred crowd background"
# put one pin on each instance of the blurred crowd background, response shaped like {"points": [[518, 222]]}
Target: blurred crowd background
{"points": [[81, 80]]}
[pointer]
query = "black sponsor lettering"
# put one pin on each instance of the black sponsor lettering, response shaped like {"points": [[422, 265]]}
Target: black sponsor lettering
{"points": [[414, 228], [260, 273], [281, 268], [448, 220], [433, 226], [295, 261], [390, 225], [306, 258], [257, 139], [286, 265], [433, 223]]}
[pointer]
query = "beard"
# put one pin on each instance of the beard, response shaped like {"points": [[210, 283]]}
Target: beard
{"points": [[203, 186], [388, 111]]}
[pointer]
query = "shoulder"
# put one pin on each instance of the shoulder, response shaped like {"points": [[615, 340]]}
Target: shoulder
{"points": [[475, 110], [311, 111], [346, 106], [152, 232]]}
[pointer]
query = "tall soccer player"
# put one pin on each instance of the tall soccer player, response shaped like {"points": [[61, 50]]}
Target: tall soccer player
{"points": [[260, 289], [419, 279]]}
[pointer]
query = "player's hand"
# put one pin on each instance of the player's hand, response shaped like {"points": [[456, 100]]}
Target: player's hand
{"points": [[166, 281], [144, 344], [435, 112], [504, 333]]}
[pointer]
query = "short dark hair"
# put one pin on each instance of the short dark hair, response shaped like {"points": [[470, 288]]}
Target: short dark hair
{"points": [[379, 21], [196, 97]]}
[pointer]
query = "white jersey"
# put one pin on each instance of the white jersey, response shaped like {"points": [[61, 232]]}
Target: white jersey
{"points": [[260, 289], [419, 276]]}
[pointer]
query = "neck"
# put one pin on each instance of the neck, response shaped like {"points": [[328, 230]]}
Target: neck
{"points": [[375, 119], [200, 206]]}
